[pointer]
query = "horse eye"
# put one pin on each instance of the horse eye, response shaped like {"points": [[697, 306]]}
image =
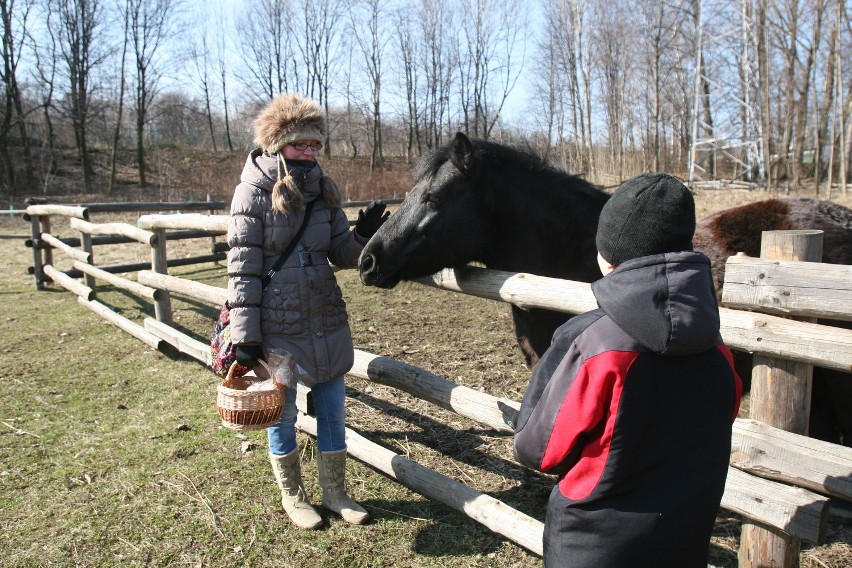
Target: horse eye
{"points": [[432, 198]]}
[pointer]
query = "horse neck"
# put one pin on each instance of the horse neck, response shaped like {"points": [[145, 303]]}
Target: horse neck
{"points": [[547, 229]]}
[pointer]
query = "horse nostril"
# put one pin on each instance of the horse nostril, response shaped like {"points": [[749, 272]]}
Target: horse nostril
{"points": [[366, 268]]}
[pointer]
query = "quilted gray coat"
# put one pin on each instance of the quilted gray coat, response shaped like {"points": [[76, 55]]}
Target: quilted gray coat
{"points": [[302, 309]]}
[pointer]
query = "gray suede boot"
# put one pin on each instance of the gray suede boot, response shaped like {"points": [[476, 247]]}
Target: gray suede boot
{"points": [[288, 474], [332, 473]]}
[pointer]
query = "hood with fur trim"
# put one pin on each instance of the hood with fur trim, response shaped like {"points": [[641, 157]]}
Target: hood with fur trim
{"points": [[289, 118]]}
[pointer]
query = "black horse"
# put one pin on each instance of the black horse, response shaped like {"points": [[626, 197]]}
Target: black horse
{"points": [[477, 201], [509, 209]]}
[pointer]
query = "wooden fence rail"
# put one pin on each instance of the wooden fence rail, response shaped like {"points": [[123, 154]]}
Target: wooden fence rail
{"points": [[820, 345], [484, 509], [783, 287]]}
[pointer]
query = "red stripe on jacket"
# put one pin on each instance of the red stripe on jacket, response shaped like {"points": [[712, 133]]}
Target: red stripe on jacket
{"points": [[738, 382], [587, 415]]}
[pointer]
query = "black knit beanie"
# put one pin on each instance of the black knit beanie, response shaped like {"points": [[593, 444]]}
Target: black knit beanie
{"points": [[650, 214]]}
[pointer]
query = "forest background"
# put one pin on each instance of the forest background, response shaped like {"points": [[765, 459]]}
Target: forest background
{"points": [[133, 99]]}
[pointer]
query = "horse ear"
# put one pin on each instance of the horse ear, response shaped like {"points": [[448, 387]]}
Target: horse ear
{"points": [[461, 153]]}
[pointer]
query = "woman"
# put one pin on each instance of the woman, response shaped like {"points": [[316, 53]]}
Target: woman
{"points": [[301, 311]]}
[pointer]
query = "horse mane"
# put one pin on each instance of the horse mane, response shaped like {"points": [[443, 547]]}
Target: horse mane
{"points": [[501, 156]]}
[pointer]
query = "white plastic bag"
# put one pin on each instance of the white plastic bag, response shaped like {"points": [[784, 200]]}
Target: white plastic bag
{"points": [[283, 372]]}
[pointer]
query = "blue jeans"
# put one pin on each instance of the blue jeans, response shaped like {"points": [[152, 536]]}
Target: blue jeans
{"points": [[329, 401]]}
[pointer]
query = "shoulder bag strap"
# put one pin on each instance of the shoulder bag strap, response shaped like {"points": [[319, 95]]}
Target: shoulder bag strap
{"points": [[293, 243]]}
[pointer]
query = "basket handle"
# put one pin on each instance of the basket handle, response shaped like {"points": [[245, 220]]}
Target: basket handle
{"points": [[265, 366], [230, 375], [231, 369]]}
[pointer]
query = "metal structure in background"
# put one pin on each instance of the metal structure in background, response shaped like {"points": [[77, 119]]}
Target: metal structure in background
{"points": [[727, 47]]}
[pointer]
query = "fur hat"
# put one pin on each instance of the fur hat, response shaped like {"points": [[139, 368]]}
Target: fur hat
{"points": [[288, 118], [650, 214]]}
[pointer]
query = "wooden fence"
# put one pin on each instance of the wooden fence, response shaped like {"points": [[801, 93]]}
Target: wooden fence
{"points": [[780, 480]]}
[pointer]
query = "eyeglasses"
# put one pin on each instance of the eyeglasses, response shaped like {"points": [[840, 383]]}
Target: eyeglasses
{"points": [[303, 147]]}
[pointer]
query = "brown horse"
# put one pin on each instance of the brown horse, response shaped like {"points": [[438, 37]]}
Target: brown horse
{"points": [[477, 201]]}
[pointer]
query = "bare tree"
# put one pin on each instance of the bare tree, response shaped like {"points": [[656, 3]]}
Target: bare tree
{"points": [[151, 24], [372, 38], [407, 47], [661, 32], [843, 126], [581, 68], [45, 69], [317, 41], [79, 21], [15, 18], [574, 52], [351, 109], [268, 49], [122, 82], [438, 66], [200, 59], [612, 38], [828, 96], [605, 86], [804, 86], [703, 118], [552, 82], [488, 49], [761, 22], [786, 39], [222, 69]]}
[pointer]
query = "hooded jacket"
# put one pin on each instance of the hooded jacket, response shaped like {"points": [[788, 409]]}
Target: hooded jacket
{"points": [[632, 406], [302, 309]]}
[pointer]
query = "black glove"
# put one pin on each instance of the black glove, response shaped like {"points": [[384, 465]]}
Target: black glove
{"points": [[370, 219], [247, 355]]}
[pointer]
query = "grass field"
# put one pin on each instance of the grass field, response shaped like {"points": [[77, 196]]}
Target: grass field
{"points": [[111, 453]]}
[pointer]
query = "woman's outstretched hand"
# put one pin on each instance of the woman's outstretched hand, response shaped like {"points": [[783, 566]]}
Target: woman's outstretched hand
{"points": [[371, 218]]}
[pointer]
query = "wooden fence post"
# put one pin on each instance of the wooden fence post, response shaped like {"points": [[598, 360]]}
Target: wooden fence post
{"points": [[86, 245], [38, 271], [212, 237], [163, 304], [780, 397]]}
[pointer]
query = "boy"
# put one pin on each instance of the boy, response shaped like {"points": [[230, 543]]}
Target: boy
{"points": [[632, 404]]}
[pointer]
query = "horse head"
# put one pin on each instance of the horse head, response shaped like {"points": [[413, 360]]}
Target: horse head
{"points": [[438, 224]]}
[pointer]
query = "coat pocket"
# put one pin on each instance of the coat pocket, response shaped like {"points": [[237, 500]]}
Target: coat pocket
{"points": [[334, 307], [281, 310]]}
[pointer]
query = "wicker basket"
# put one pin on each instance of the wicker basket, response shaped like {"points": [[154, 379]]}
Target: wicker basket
{"points": [[242, 409]]}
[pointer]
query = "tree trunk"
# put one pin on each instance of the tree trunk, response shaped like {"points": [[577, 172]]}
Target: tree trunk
{"points": [[22, 128], [827, 100], [117, 131], [763, 71], [227, 120], [209, 115], [791, 57], [804, 96], [140, 150], [8, 166], [85, 162]]}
